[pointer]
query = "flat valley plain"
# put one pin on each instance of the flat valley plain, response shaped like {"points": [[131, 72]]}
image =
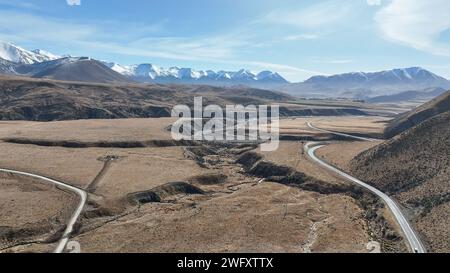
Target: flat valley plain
{"points": [[206, 201]]}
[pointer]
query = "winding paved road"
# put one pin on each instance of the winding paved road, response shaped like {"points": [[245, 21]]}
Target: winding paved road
{"points": [[73, 219], [341, 134], [414, 241]]}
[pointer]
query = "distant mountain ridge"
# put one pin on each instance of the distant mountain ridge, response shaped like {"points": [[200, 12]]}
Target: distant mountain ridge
{"points": [[364, 85], [412, 75], [411, 96], [154, 74]]}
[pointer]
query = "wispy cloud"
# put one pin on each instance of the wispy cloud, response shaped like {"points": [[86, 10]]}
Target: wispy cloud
{"points": [[20, 5], [317, 15], [26, 28], [416, 23], [374, 2], [145, 42], [337, 61], [301, 37]]}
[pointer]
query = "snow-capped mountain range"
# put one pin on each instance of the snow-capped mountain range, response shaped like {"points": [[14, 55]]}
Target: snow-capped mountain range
{"points": [[16, 54], [363, 85], [15, 60], [412, 75], [153, 73]]}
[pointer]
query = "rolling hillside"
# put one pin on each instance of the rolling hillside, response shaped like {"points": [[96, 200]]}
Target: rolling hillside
{"points": [[410, 119], [414, 167], [72, 69]]}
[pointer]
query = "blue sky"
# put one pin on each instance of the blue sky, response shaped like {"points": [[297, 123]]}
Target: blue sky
{"points": [[296, 38]]}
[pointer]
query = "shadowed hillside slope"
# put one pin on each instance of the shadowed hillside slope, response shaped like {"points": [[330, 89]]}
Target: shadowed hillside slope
{"points": [[80, 69], [47, 100], [416, 116], [414, 167], [83, 71]]}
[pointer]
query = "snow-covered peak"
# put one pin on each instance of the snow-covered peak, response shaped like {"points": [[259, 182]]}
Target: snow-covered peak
{"points": [[270, 76], [224, 75], [50, 56], [124, 70], [17, 54], [150, 72], [244, 73], [412, 78]]}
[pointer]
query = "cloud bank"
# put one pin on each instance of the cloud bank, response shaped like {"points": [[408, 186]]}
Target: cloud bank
{"points": [[416, 23]]}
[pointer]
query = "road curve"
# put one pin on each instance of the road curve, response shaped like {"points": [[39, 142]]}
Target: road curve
{"points": [[341, 134], [83, 197], [413, 240]]}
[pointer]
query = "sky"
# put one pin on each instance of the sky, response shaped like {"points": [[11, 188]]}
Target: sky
{"points": [[296, 38]]}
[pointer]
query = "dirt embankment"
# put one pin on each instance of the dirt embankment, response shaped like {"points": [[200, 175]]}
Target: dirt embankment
{"points": [[163, 192], [101, 144], [319, 112]]}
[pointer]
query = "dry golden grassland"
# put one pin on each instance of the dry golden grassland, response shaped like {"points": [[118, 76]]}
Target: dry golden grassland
{"points": [[236, 215], [89, 130], [31, 211], [263, 218]]}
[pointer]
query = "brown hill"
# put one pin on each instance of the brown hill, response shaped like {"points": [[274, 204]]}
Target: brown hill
{"points": [[414, 167], [72, 69], [420, 114], [46, 100]]}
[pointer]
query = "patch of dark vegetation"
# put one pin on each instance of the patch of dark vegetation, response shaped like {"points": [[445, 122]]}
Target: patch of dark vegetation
{"points": [[158, 194], [201, 151], [286, 112], [268, 169], [254, 165], [429, 202], [379, 136], [209, 179], [306, 138], [10, 234], [322, 187], [199, 154], [144, 197], [248, 160], [380, 229], [101, 144], [56, 236], [99, 212], [325, 137], [243, 148], [175, 188], [93, 210], [14, 235]]}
